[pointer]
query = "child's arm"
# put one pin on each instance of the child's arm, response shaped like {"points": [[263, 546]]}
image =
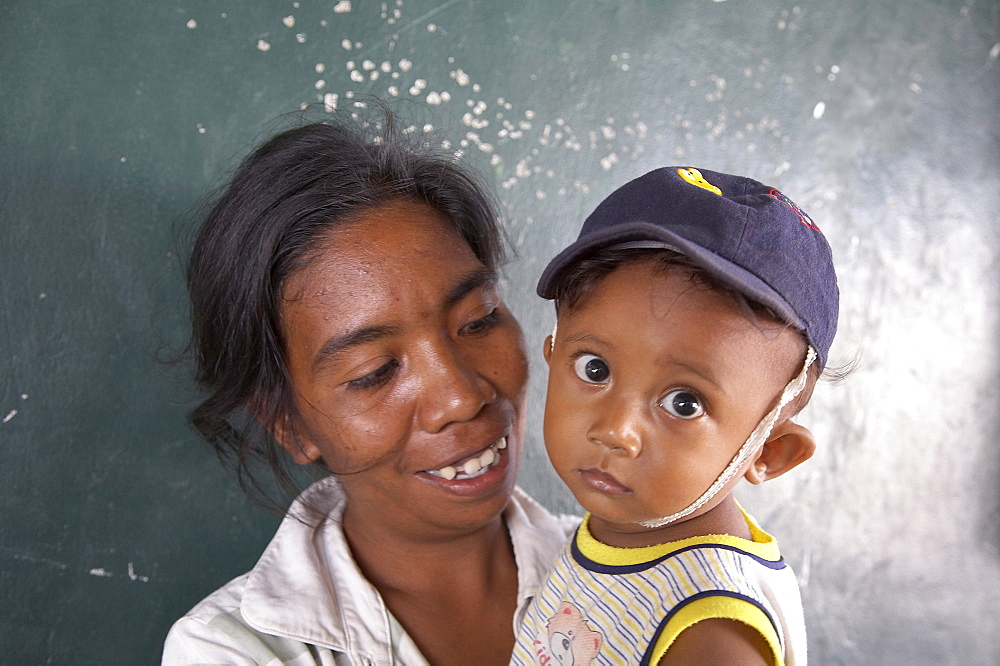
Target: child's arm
{"points": [[718, 641]]}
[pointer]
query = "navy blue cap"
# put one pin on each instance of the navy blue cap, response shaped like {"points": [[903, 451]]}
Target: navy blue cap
{"points": [[749, 236]]}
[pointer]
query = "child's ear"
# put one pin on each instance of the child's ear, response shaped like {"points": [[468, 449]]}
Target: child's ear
{"points": [[301, 450], [547, 349], [788, 445]]}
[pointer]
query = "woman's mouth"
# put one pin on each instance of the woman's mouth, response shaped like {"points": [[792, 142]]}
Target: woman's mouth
{"points": [[473, 466]]}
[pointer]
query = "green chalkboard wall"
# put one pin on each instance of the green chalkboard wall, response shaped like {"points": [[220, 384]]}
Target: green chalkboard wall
{"points": [[117, 118]]}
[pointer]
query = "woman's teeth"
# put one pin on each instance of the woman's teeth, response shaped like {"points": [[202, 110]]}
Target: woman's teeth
{"points": [[472, 467]]}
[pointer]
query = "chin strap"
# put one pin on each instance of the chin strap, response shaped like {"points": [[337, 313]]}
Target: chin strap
{"points": [[749, 448]]}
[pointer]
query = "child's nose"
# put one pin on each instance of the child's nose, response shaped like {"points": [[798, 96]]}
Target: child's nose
{"points": [[618, 428]]}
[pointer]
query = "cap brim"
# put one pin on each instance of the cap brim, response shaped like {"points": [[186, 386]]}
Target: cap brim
{"points": [[723, 270]]}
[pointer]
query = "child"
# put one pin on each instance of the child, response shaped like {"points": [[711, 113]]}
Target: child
{"points": [[694, 314]]}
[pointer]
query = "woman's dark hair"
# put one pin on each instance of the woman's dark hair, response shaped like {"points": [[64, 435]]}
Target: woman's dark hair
{"points": [[281, 202]]}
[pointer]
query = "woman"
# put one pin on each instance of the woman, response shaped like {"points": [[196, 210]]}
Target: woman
{"points": [[345, 302]]}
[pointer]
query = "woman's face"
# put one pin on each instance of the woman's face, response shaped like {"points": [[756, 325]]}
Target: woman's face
{"points": [[408, 372]]}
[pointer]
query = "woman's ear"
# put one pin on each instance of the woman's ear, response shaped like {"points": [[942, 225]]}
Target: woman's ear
{"points": [[302, 451], [547, 349], [788, 445]]}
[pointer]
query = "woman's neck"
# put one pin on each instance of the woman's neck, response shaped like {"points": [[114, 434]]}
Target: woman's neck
{"points": [[454, 594]]}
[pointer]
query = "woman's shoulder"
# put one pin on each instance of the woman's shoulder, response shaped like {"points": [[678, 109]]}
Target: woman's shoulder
{"points": [[216, 632], [205, 634]]}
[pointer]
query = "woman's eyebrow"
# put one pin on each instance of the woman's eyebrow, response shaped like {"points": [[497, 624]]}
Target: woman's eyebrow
{"points": [[340, 343], [483, 277]]}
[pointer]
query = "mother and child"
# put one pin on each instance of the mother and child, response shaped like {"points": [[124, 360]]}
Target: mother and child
{"points": [[346, 315]]}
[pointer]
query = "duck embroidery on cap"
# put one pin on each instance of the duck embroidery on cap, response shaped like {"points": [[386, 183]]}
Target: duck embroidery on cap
{"points": [[694, 177]]}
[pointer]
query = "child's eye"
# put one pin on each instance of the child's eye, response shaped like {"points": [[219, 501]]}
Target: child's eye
{"points": [[592, 369], [682, 404]]}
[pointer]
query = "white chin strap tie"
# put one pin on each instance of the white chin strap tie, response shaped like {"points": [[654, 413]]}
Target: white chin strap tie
{"points": [[749, 448]]}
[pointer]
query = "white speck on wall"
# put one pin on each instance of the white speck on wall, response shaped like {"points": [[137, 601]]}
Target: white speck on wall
{"points": [[393, 90], [405, 65], [320, 84], [461, 78], [301, 38], [201, 128], [357, 76], [346, 45], [100, 571], [386, 66], [915, 87], [320, 68], [263, 45], [133, 576], [192, 24], [995, 51], [11, 414], [330, 101], [342, 7], [123, 160], [289, 21], [24, 396], [433, 98], [819, 110], [431, 27], [368, 65], [609, 161]]}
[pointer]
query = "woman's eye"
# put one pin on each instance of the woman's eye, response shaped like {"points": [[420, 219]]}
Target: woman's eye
{"points": [[592, 369], [377, 377], [482, 324], [682, 404]]}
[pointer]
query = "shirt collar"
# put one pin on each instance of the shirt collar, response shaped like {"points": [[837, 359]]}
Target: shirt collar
{"points": [[307, 587]]}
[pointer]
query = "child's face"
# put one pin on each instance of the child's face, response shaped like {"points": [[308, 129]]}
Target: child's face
{"points": [[655, 383]]}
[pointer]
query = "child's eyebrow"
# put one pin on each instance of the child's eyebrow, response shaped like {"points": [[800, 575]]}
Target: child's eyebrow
{"points": [[704, 373], [588, 338]]}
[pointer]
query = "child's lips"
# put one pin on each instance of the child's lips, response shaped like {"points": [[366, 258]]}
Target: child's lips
{"points": [[603, 482]]}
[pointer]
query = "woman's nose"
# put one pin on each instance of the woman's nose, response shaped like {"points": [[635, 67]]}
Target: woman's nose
{"points": [[618, 427], [453, 391]]}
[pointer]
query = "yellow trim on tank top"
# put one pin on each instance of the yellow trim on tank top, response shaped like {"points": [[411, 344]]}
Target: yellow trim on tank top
{"points": [[763, 545], [726, 608]]}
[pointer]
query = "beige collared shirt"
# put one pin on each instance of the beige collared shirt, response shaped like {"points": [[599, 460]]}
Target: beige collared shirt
{"points": [[306, 602]]}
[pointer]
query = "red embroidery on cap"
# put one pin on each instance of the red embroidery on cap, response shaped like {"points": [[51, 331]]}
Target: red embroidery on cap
{"points": [[803, 216]]}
